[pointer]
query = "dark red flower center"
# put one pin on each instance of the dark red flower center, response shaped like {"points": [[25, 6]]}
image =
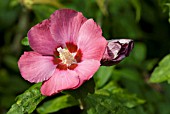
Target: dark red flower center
{"points": [[67, 58]]}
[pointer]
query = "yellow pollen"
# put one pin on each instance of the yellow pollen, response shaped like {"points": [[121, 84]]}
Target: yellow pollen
{"points": [[66, 57]]}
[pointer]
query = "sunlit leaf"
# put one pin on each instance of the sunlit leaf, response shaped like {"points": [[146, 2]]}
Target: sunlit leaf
{"points": [[162, 71], [25, 41], [28, 101]]}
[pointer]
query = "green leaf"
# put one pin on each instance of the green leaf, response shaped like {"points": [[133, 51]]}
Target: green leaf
{"points": [[101, 104], [139, 52], [43, 11], [25, 41], [111, 100], [165, 4], [122, 14], [137, 6], [103, 75], [56, 104], [162, 71], [82, 91], [8, 15], [54, 3], [168, 4], [127, 73], [28, 101], [102, 6], [128, 100], [149, 64], [11, 62]]}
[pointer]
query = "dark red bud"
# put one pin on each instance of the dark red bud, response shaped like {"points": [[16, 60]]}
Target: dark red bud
{"points": [[116, 51]]}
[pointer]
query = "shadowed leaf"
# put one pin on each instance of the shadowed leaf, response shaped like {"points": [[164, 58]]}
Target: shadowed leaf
{"points": [[56, 104]]}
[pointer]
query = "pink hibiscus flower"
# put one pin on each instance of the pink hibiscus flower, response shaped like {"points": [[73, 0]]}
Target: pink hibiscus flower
{"points": [[67, 52]]}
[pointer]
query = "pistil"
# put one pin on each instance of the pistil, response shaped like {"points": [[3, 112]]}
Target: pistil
{"points": [[66, 57]]}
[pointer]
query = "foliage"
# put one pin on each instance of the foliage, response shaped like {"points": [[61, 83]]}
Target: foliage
{"points": [[161, 73], [111, 99], [134, 86], [25, 41], [27, 102], [55, 104]]}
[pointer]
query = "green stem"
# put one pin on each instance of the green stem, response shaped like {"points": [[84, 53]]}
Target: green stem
{"points": [[82, 103]]}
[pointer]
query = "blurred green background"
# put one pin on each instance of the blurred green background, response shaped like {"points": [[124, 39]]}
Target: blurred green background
{"points": [[144, 21]]}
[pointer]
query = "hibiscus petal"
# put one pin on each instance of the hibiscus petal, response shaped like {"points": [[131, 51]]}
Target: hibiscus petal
{"points": [[35, 67], [86, 69], [90, 41], [40, 39], [61, 80], [65, 24]]}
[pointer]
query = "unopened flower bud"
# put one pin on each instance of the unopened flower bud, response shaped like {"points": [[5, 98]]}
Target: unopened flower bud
{"points": [[116, 51]]}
